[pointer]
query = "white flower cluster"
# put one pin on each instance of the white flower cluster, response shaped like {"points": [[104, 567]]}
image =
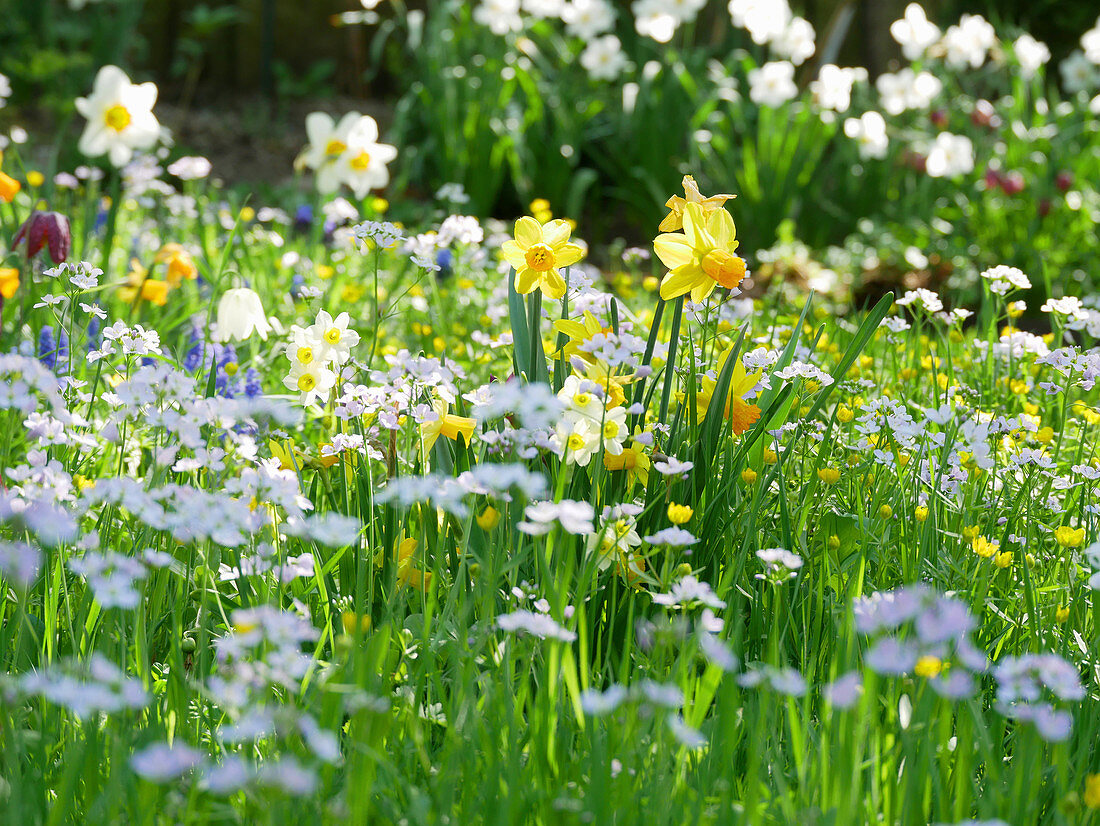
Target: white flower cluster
{"points": [[315, 351], [346, 153]]}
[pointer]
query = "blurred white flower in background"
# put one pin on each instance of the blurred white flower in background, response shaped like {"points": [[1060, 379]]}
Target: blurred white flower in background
{"points": [[1090, 43], [543, 8], [869, 131], [362, 166], [327, 139], [950, 155], [1031, 54], [968, 42], [652, 19], [772, 84], [907, 90], [5, 90], [120, 117], [795, 42], [833, 87], [501, 16], [1079, 74], [346, 153], [588, 18], [603, 58], [914, 33], [764, 20], [190, 168]]}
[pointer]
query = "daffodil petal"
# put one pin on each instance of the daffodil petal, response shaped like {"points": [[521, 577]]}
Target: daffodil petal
{"points": [[553, 285], [528, 232], [568, 254], [526, 280], [513, 254], [700, 291], [678, 283], [720, 225], [573, 329], [555, 233], [695, 227], [673, 249]]}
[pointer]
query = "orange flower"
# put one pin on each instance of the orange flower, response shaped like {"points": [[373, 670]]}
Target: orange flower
{"points": [[180, 264], [8, 185], [9, 281], [152, 290]]}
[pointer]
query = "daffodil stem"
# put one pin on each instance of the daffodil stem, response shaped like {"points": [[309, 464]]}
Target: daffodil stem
{"points": [[670, 362]]}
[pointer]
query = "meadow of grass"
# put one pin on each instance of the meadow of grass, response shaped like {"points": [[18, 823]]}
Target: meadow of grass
{"points": [[462, 561]]}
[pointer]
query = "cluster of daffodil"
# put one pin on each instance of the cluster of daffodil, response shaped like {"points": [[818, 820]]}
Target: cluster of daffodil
{"points": [[140, 284], [346, 153], [316, 354]]}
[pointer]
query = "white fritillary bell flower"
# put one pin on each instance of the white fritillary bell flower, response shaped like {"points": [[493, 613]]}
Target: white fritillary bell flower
{"points": [[240, 314]]}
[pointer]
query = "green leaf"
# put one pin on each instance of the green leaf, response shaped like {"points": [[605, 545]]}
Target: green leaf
{"points": [[517, 317]]}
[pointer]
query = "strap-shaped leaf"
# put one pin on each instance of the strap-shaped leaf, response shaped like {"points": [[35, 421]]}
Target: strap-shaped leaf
{"points": [[517, 317]]}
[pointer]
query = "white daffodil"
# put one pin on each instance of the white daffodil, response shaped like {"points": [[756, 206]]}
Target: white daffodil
{"points": [[362, 166], [120, 117], [334, 336], [311, 380], [328, 140], [240, 314]]}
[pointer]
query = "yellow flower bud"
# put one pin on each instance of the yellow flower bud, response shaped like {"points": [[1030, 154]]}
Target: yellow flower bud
{"points": [[679, 514], [488, 518], [928, 666], [353, 623]]}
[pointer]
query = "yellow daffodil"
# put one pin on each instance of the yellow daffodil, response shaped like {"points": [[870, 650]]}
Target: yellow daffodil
{"points": [[152, 290], [9, 281], [536, 254], [675, 218], [634, 460], [446, 424], [290, 458], [702, 257], [180, 267], [578, 334], [407, 572], [742, 414]]}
